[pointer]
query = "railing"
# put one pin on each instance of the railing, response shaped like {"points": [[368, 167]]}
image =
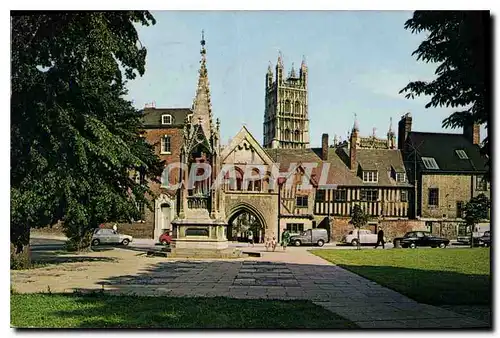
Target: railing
{"points": [[197, 202]]}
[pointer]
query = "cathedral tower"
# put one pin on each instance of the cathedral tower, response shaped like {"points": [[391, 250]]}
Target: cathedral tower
{"points": [[286, 118]]}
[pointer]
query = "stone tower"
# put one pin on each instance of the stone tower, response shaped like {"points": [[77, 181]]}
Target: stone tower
{"points": [[286, 118]]}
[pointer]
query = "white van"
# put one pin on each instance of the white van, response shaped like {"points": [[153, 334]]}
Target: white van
{"points": [[464, 232]]}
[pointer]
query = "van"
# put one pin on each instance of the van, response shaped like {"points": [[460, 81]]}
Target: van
{"points": [[464, 232], [310, 237]]}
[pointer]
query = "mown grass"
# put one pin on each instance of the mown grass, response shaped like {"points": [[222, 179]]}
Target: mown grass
{"points": [[106, 311], [432, 276]]}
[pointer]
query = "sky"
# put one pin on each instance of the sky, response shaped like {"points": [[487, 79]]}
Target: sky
{"points": [[357, 62]]}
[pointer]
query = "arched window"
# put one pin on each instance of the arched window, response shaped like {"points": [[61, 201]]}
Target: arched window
{"points": [[288, 107], [297, 136], [287, 134], [255, 185], [297, 108]]}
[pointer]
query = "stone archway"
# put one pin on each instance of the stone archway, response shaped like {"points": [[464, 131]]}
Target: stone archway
{"points": [[258, 226], [164, 214]]}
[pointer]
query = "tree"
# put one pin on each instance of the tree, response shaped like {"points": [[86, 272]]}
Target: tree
{"points": [[456, 40], [476, 210], [358, 219], [75, 140]]}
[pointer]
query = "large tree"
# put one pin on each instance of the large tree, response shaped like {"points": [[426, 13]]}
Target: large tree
{"points": [[476, 210], [456, 41], [74, 137], [359, 219]]}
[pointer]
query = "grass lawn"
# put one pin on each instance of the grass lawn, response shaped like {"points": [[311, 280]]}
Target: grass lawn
{"points": [[105, 311], [432, 276]]}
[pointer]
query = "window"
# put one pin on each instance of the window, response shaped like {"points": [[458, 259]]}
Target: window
{"points": [[166, 119], [401, 177], [370, 176], [433, 197], [460, 209], [295, 227], [481, 183], [320, 195], [165, 144], [369, 195], [461, 154], [341, 195], [302, 201], [430, 163], [404, 195]]}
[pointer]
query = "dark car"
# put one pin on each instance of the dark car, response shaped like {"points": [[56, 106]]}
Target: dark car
{"points": [[165, 238], [413, 239], [485, 239]]}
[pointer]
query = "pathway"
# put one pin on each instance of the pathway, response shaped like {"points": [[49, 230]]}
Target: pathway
{"points": [[294, 274]]}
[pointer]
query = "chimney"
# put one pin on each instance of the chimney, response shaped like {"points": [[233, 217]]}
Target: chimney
{"points": [[352, 149], [324, 147], [404, 127], [472, 132]]}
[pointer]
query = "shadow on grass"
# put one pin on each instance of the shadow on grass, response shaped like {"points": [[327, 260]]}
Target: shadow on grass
{"points": [[99, 310], [41, 258], [430, 286]]}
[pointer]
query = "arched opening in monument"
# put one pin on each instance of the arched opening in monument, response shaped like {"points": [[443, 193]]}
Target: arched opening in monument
{"points": [[241, 222]]}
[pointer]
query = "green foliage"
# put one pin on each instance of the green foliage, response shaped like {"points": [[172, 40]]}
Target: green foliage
{"points": [[455, 40], [75, 139], [358, 219], [99, 310], [19, 260], [476, 210]]}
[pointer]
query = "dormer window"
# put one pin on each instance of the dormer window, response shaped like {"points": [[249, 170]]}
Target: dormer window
{"points": [[166, 119], [430, 163], [401, 177], [461, 154], [370, 176]]}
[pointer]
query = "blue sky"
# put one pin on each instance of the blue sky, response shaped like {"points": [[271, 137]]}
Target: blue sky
{"points": [[357, 60]]}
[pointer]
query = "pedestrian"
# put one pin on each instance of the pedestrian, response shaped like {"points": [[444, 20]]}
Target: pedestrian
{"points": [[115, 228], [380, 238], [273, 243], [285, 239], [250, 237]]}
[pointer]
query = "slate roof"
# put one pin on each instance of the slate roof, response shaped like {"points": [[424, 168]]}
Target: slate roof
{"points": [[382, 160], [442, 148], [152, 116]]}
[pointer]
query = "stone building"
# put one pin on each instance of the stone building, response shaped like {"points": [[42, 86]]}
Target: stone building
{"points": [[447, 170], [286, 117]]}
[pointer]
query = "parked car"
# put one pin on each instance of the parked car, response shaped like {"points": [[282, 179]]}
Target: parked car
{"points": [[310, 237], [109, 236], [485, 240], [464, 233], [165, 238], [365, 237], [414, 239]]}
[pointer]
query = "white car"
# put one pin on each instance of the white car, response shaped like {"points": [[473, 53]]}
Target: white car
{"points": [[365, 237], [109, 236]]}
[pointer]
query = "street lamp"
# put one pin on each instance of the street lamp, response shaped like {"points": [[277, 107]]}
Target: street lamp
{"points": [[281, 180]]}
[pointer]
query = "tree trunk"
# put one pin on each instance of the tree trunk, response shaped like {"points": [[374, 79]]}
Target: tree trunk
{"points": [[359, 243], [20, 257], [472, 235]]}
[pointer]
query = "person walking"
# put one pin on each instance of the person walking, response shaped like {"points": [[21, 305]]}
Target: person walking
{"points": [[115, 228], [250, 238], [380, 238], [285, 239]]}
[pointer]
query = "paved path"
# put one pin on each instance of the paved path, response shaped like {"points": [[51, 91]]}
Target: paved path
{"points": [[286, 275]]}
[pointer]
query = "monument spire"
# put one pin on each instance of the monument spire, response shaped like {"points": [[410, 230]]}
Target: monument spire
{"points": [[202, 107]]}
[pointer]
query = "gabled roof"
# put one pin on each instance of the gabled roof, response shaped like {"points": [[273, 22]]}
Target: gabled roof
{"points": [[152, 117], [336, 168], [442, 147]]}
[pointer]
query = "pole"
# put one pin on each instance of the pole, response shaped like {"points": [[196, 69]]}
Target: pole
{"points": [[279, 211]]}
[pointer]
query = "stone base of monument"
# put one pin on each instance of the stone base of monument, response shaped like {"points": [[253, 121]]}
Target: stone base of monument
{"points": [[201, 237], [228, 253]]}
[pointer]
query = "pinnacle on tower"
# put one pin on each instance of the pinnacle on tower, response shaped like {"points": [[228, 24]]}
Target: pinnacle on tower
{"points": [[269, 68], [292, 72], [303, 64], [280, 61], [355, 126], [390, 132]]}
